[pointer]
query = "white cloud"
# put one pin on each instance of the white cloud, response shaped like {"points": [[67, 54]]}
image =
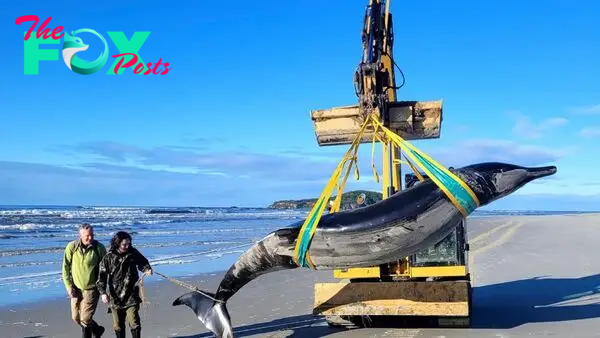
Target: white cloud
{"points": [[101, 184], [524, 127], [488, 150], [561, 187], [165, 175], [590, 132], [586, 110]]}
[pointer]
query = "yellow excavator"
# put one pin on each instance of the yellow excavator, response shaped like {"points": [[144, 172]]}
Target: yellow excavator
{"points": [[435, 282]]}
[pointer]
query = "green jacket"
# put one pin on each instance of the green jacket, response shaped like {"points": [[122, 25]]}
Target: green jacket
{"points": [[80, 266]]}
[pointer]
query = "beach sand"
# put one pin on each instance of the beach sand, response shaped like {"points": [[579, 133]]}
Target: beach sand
{"points": [[533, 276]]}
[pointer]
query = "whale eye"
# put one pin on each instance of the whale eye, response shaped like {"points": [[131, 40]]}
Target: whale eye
{"points": [[78, 41]]}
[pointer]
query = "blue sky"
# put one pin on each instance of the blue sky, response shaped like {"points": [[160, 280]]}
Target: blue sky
{"points": [[230, 125]]}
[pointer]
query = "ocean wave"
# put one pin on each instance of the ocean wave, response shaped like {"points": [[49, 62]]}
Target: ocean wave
{"points": [[29, 232], [183, 258], [141, 246], [29, 276], [199, 231], [29, 227], [30, 251], [174, 261], [187, 243], [56, 220], [26, 264], [34, 284], [221, 254], [103, 212], [198, 253], [165, 244]]}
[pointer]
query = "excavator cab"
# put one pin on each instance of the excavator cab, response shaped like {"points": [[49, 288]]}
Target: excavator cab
{"points": [[451, 251]]}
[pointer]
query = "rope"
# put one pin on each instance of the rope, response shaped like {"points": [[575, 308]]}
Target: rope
{"points": [[140, 283], [145, 301]]}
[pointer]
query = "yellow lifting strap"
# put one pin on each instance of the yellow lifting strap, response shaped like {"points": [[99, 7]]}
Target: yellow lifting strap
{"points": [[310, 223], [455, 189]]}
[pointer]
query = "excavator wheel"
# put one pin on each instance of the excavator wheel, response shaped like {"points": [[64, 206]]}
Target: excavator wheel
{"points": [[346, 322]]}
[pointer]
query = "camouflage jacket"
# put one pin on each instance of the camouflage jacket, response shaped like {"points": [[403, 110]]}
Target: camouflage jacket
{"points": [[120, 273]]}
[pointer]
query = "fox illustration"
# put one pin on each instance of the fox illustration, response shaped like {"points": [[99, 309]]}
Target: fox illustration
{"points": [[72, 45]]}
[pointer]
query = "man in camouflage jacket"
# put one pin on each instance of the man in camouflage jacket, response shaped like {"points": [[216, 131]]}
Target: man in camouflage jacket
{"points": [[119, 271]]}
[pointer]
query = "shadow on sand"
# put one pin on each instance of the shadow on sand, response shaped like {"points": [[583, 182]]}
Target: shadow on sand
{"points": [[501, 306], [536, 300], [308, 326]]}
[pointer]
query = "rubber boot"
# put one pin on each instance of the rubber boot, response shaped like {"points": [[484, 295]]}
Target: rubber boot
{"points": [[137, 332], [86, 331], [97, 330]]}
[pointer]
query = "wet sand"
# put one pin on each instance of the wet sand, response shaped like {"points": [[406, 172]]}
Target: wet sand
{"points": [[533, 276]]}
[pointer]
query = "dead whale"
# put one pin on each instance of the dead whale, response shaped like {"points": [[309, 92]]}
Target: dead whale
{"points": [[395, 227]]}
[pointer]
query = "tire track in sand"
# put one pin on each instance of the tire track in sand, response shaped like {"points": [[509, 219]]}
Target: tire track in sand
{"points": [[492, 231], [511, 227], [400, 333]]}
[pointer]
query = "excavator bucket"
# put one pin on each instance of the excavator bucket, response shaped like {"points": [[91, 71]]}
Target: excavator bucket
{"points": [[412, 120]]}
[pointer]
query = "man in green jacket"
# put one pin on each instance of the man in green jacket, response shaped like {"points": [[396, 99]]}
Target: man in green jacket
{"points": [[80, 266]]}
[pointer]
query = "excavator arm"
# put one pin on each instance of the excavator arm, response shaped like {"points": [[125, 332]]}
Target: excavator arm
{"points": [[375, 82], [374, 79]]}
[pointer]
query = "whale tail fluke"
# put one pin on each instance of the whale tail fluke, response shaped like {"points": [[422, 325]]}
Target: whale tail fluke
{"points": [[212, 314]]}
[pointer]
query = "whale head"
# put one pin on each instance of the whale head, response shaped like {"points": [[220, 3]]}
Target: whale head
{"points": [[493, 180]]}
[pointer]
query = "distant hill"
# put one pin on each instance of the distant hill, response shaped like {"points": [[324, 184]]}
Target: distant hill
{"points": [[347, 198]]}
